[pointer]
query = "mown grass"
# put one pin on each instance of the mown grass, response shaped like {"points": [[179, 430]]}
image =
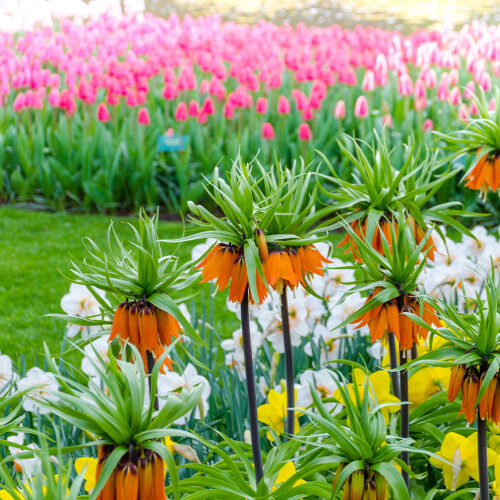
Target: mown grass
{"points": [[34, 247]]}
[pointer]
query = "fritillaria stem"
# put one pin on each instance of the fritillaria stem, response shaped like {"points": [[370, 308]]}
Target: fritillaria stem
{"points": [[150, 360], [484, 488], [252, 398], [405, 413], [290, 388], [393, 356]]}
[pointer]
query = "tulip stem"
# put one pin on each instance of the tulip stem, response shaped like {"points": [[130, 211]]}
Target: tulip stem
{"points": [[484, 488], [394, 364], [252, 398], [150, 361], [405, 412], [290, 388]]}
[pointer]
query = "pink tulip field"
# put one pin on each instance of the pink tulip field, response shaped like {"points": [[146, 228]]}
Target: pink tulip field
{"points": [[83, 104]]}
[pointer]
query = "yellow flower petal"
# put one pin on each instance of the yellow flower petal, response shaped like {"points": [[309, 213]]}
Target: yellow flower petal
{"points": [[90, 472]]}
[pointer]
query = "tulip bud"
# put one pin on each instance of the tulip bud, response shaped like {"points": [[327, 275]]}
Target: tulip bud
{"points": [[339, 110], [261, 244], [305, 133]]}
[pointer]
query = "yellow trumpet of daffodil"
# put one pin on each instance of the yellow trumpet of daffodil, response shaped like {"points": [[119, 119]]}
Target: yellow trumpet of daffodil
{"points": [[462, 453], [274, 412], [379, 387], [285, 473], [426, 382]]}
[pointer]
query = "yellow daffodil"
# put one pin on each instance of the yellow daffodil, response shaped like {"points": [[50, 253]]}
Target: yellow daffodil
{"points": [[90, 466], [494, 444], [167, 441], [379, 387], [496, 484], [5, 495], [462, 453], [274, 413], [285, 473], [426, 382]]}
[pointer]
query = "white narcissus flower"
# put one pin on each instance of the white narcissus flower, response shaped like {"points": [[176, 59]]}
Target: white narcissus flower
{"points": [[6, 373], [45, 382], [325, 383], [202, 248], [81, 303], [340, 312], [94, 353], [27, 465], [172, 382], [235, 344]]}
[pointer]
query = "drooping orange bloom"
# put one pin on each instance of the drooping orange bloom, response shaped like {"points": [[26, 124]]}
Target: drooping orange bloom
{"points": [[226, 263], [485, 174], [471, 381], [389, 318], [147, 327], [384, 226], [136, 477]]}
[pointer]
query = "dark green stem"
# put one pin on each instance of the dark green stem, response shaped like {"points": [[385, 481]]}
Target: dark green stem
{"points": [[150, 360], [393, 355], [405, 413], [484, 488], [252, 398], [290, 388]]}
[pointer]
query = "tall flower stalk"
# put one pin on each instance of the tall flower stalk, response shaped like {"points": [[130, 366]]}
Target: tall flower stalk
{"points": [[472, 348], [396, 297]]}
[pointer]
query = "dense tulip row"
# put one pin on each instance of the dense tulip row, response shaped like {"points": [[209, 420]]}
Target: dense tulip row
{"points": [[84, 104]]}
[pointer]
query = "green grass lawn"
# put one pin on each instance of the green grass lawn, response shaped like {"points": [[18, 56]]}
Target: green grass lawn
{"points": [[34, 246]]}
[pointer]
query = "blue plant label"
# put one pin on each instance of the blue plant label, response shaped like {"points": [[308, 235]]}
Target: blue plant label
{"points": [[169, 143]]}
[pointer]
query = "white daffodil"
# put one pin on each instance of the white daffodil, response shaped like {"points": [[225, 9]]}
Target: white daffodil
{"points": [[341, 311], [26, 465], [235, 358], [40, 385], [81, 303], [6, 372], [172, 382], [324, 381], [202, 248], [95, 353]]}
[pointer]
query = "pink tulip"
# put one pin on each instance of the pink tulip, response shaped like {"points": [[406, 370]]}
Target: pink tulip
{"points": [[67, 102], [470, 90], [419, 90], [143, 117], [275, 81], [300, 99], [463, 113], [228, 111], [19, 103], [305, 132], [455, 96], [453, 77], [387, 120], [261, 106], [169, 91], [339, 110], [202, 117], [207, 107], [485, 81], [492, 104], [181, 113], [193, 108], [283, 105], [368, 84], [103, 113], [474, 110], [361, 107], [420, 103], [307, 113], [170, 132], [430, 79], [204, 87], [442, 91], [267, 131], [428, 125], [54, 98], [405, 85]]}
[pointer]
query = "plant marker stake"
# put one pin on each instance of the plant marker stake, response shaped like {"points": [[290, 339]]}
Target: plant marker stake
{"points": [[405, 413], [394, 364], [252, 399], [150, 360], [290, 388], [484, 487]]}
